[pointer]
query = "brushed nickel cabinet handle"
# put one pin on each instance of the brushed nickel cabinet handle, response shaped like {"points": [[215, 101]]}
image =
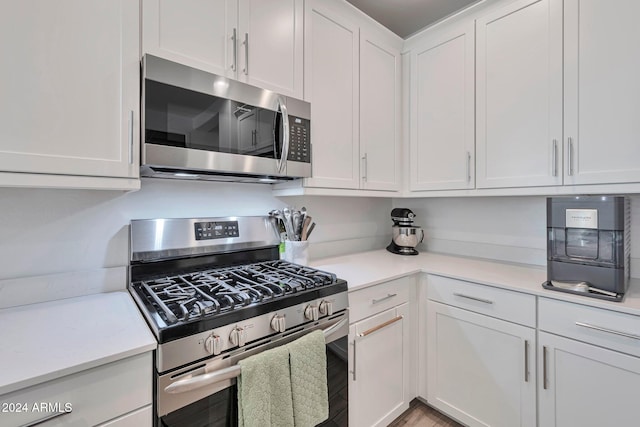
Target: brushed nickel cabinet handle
{"points": [[545, 384], [364, 167], [609, 331], [570, 155], [380, 326], [234, 37], [389, 296], [486, 301], [246, 54], [353, 373], [526, 361], [554, 158], [468, 166], [131, 127]]}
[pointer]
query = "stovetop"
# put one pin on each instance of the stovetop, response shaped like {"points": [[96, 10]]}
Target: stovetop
{"points": [[191, 275], [192, 302]]}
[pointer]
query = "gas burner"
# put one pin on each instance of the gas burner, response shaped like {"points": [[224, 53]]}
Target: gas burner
{"points": [[207, 293]]}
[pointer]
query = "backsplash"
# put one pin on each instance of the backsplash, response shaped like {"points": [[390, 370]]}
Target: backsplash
{"points": [[61, 243], [511, 229]]}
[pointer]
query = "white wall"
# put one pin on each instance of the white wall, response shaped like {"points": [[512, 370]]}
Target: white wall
{"points": [[509, 229], [82, 236]]}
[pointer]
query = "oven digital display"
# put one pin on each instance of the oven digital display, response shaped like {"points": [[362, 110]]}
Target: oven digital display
{"points": [[216, 230]]}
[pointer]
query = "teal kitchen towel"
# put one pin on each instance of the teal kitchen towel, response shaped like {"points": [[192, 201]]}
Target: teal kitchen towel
{"points": [[308, 362], [264, 390]]}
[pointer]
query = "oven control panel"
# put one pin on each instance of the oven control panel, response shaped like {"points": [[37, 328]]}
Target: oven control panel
{"points": [[216, 230]]}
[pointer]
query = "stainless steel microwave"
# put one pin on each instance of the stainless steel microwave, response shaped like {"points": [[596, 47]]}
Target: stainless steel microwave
{"points": [[198, 125]]}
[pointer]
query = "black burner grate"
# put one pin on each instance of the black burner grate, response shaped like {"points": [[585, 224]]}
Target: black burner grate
{"points": [[207, 293]]}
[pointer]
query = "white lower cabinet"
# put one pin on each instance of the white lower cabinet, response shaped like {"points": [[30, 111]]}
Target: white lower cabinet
{"points": [[380, 348], [480, 353], [379, 375], [585, 385], [139, 418], [480, 370], [117, 394], [592, 382]]}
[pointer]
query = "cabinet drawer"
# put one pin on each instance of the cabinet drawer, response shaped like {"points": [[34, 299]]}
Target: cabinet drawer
{"points": [[500, 303], [375, 299], [94, 396], [140, 418], [606, 328]]}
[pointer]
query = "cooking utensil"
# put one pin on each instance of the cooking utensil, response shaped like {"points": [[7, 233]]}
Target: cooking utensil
{"points": [[310, 229], [288, 224], [304, 235], [303, 218], [297, 224]]}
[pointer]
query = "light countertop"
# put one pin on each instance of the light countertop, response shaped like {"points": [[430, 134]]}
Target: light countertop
{"points": [[44, 341], [370, 268]]}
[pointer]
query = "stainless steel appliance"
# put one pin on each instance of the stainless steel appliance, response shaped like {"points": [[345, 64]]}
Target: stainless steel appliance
{"points": [[197, 125], [213, 291], [588, 245], [406, 236]]}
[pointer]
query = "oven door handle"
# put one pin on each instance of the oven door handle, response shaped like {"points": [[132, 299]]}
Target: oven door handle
{"points": [[204, 380], [199, 381]]}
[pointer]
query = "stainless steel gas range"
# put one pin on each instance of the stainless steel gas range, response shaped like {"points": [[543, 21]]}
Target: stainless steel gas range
{"points": [[214, 291]]}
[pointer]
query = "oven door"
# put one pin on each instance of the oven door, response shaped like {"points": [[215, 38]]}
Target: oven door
{"points": [[211, 398], [200, 122]]}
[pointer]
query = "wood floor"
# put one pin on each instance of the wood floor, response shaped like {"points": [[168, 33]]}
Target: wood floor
{"points": [[421, 415]]}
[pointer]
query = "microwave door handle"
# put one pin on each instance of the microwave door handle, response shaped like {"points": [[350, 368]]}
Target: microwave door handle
{"points": [[282, 162]]}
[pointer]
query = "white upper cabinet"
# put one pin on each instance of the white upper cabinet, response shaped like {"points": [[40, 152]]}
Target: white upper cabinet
{"points": [[442, 153], [256, 41], [70, 93], [519, 95], [602, 91], [271, 45], [198, 33], [331, 85], [380, 90], [353, 82]]}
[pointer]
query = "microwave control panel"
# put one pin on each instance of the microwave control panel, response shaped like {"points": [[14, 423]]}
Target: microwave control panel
{"points": [[216, 230], [299, 143]]}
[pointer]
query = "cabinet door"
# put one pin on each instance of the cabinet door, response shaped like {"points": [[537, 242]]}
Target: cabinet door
{"points": [[602, 91], [379, 113], [378, 386], [480, 370], [270, 45], [331, 85], [70, 92], [519, 95], [442, 112], [198, 33], [584, 385]]}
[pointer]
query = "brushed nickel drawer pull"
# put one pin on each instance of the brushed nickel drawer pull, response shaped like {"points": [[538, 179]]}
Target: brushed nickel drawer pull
{"points": [[47, 418], [389, 296], [609, 331], [486, 301], [380, 326]]}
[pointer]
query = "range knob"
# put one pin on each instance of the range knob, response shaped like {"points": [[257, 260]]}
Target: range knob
{"points": [[311, 312], [326, 308], [213, 344], [238, 336], [278, 323]]}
